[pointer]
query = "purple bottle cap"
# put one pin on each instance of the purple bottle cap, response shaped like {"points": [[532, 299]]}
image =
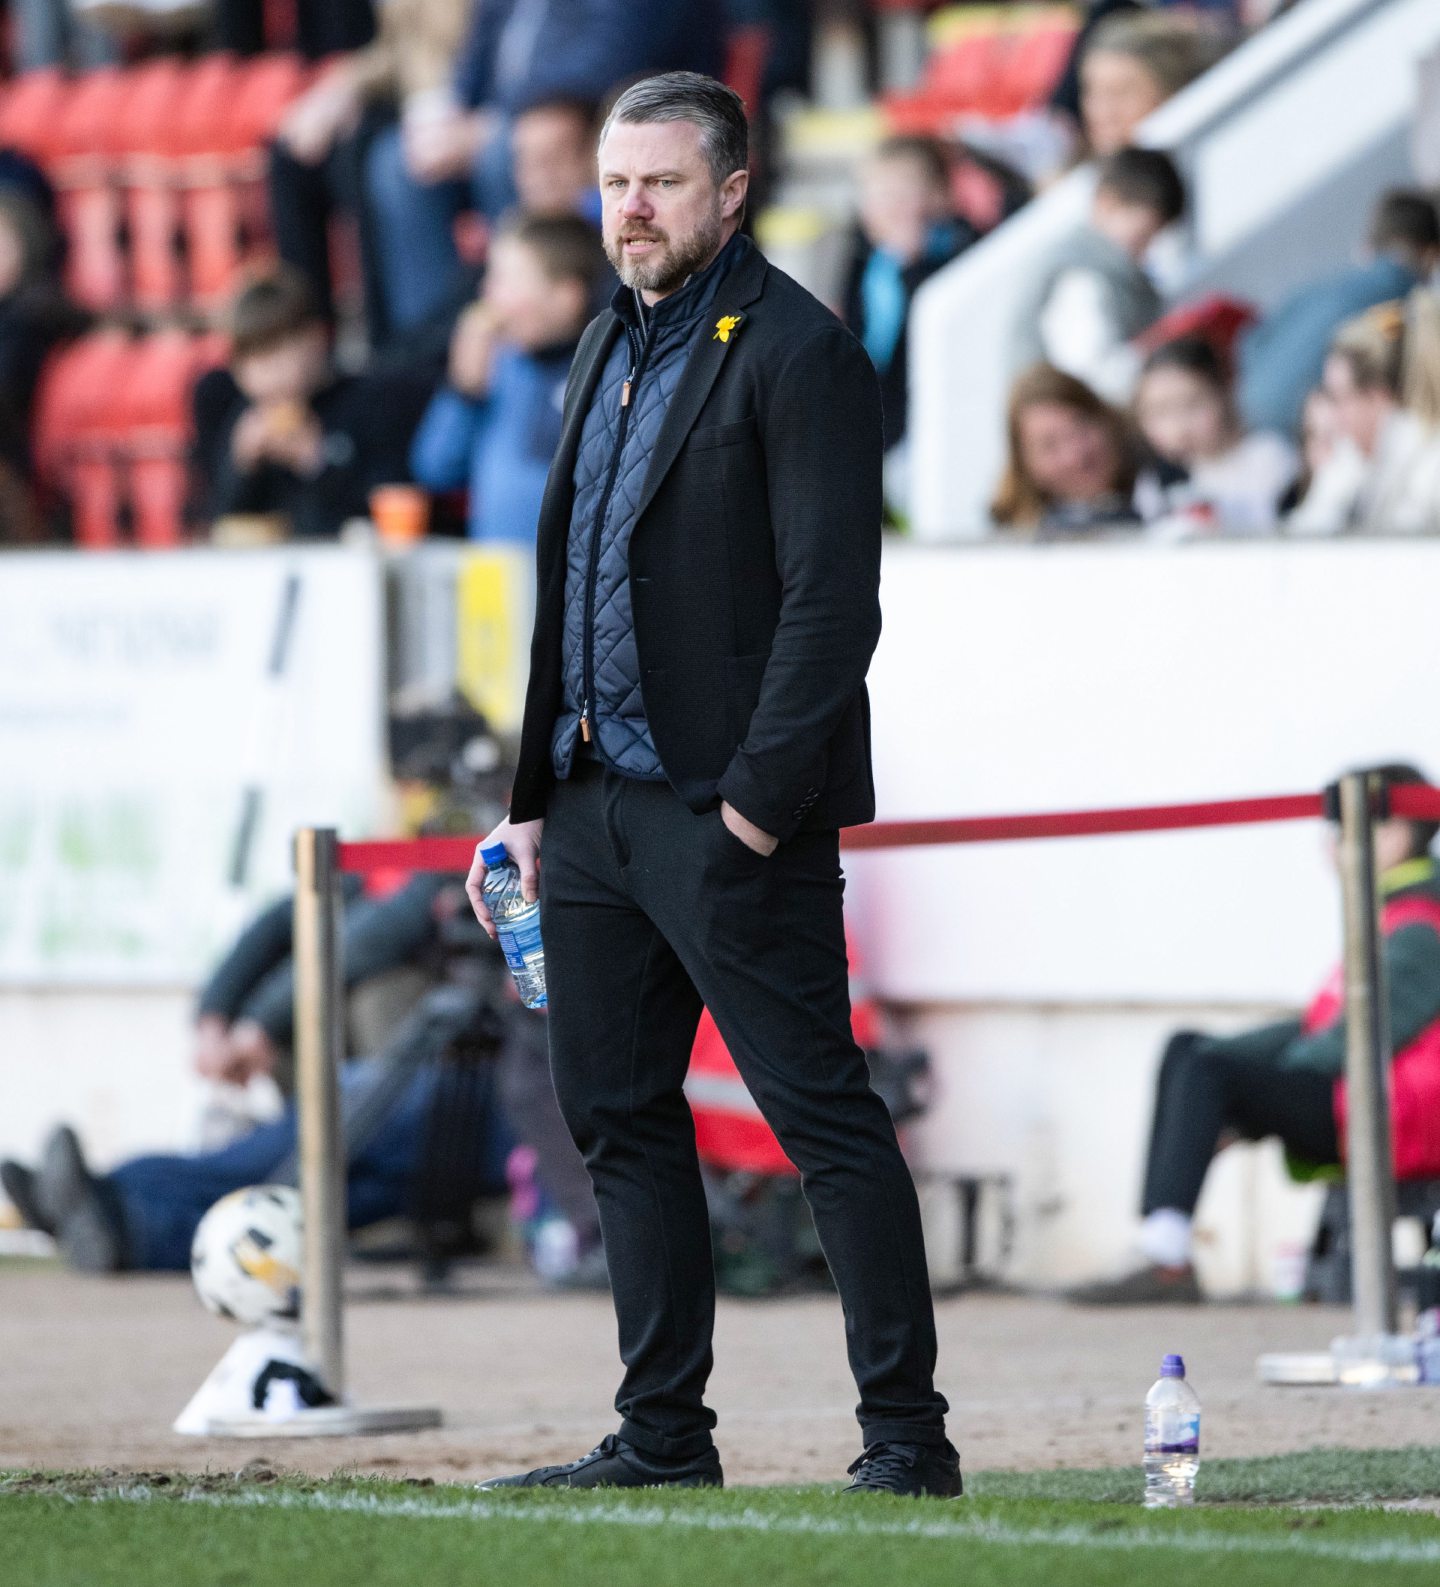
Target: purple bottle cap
{"points": [[1172, 1367]]}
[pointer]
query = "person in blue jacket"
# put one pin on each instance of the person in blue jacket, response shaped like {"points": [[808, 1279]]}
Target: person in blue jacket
{"points": [[494, 425], [1282, 358]]}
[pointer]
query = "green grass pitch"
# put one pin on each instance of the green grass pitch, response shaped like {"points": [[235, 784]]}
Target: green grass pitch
{"points": [[1311, 1519]]}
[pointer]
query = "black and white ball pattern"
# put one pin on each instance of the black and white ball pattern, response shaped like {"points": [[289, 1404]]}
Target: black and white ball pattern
{"points": [[246, 1256]]}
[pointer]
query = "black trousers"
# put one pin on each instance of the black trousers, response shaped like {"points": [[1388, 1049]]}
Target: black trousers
{"points": [[303, 198], [1204, 1091], [646, 910]]}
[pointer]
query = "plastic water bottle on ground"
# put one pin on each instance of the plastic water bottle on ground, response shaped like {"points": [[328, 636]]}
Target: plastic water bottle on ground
{"points": [[517, 924], [1172, 1438]]}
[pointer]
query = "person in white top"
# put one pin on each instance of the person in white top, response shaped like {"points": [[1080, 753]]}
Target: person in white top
{"points": [[1090, 296], [1382, 379], [1221, 480]]}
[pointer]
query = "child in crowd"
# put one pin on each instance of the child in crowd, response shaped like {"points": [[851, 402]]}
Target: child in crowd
{"points": [[280, 433], [908, 229], [1091, 295], [1131, 64], [1071, 465], [495, 424], [1319, 437], [1382, 380], [1227, 482]]}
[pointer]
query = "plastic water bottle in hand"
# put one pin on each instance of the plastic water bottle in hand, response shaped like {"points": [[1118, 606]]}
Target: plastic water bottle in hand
{"points": [[1172, 1438], [517, 924]]}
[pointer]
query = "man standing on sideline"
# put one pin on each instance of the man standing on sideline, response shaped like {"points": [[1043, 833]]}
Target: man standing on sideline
{"points": [[696, 731]]}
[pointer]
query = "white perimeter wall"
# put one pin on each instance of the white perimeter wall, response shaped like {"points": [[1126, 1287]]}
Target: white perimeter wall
{"points": [[1043, 977]]}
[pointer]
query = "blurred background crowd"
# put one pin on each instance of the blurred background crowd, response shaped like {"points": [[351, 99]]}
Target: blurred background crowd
{"points": [[271, 268], [312, 272]]}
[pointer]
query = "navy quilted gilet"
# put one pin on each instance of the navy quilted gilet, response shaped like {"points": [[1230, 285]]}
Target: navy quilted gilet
{"points": [[601, 663]]}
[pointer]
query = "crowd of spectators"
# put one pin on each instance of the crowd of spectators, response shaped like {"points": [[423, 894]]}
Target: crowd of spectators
{"points": [[452, 141], [1322, 418], [1317, 418]]}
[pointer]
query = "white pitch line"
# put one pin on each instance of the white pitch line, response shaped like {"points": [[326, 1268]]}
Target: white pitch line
{"points": [[599, 1512]]}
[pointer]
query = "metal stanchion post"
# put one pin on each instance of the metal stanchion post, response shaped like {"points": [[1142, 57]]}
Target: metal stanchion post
{"points": [[1369, 1357], [319, 1052], [1369, 1178]]}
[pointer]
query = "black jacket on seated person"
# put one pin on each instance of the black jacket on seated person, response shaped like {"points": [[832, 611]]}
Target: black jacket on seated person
{"points": [[367, 427], [754, 564]]}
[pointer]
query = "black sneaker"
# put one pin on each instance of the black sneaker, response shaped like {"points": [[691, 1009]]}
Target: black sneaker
{"points": [[615, 1464], [912, 1470], [86, 1224], [18, 1183]]}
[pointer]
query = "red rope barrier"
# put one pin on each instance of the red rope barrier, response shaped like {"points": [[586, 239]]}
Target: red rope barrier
{"points": [[1084, 823], [1416, 802], [455, 854], [408, 854]]}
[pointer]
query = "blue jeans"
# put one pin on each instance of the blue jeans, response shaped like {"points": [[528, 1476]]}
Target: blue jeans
{"points": [[48, 34], [415, 222], [163, 1198]]}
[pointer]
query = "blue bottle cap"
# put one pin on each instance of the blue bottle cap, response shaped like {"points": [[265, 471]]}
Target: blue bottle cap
{"points": [[496, 854], [1172, 1367]]}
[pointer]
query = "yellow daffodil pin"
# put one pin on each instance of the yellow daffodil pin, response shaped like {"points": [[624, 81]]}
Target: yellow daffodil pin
{"points": [[725, 325]]}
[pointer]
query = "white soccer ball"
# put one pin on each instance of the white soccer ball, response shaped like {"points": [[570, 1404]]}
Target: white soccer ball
{"points": [[246, 1257]]}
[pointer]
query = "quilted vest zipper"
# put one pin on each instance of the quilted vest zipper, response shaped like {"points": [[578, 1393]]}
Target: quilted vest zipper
{"points": [[627, 403]]}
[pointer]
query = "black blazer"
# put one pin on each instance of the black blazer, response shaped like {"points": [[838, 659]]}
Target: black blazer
{"points": [[754, 564]]}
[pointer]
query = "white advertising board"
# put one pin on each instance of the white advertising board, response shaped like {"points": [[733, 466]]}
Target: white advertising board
{"points": [[166, 721], [1059, 678]]}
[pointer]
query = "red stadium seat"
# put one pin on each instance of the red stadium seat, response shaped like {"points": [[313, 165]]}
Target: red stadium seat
{"points": [[274, 83], [74, 455], [174, 151], [995, 67], [232, 112], [30, 107], [268, 85], [113, 432], [963, 73], [1037, 64], [210, 205], [747, 53], [162, 372], [150, 181], [82, 166]]}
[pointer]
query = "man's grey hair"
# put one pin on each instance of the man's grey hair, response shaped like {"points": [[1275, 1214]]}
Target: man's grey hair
{"points": [[718, 111]]}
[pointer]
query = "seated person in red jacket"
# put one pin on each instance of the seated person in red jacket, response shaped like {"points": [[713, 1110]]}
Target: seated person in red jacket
{"points": [[1286, 1080], [281, 432]]}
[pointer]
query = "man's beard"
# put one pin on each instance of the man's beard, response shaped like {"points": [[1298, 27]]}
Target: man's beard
{"points": [[666, 266]]}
